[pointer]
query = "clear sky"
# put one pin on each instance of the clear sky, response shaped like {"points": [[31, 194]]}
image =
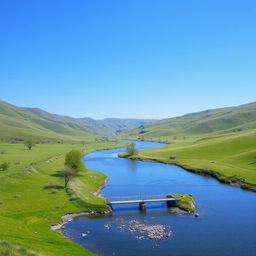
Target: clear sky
{"points": [[127, 58]]}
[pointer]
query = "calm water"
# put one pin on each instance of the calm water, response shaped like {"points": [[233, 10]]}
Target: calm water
{"points": [[226, 226]]}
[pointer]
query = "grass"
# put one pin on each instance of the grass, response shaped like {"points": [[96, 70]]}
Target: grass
{"points": [[34, 123], [193, 126], [8, 249], [231, 157], [32, 197], [24, 123], [186, 202]]}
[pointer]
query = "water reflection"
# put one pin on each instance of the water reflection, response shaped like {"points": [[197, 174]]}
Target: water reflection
{"points": [[132, 166]]}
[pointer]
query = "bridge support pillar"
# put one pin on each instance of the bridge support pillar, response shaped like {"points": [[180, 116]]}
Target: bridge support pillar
{"points": [[109, 205], [172, 203], [142, 206]]}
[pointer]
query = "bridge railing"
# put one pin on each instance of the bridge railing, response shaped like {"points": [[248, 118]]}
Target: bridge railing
{"points": [[135, 197]]}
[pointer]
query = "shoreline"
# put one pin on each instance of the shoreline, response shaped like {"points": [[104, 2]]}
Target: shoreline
{"points": [[239, 183], [71, 216], [98, 192]]}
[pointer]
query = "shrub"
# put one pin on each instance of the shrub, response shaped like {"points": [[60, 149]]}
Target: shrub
{"points": [[16, 196], [4, 166], [29, 144], [73, 160]]}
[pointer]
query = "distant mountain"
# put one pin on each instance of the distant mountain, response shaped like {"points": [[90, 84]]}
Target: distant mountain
{"points": [[209, 122], [117, 125], [21, 123]]}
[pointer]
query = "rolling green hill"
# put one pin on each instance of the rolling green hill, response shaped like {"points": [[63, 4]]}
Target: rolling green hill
{"points": [[18, 123], [231, 158], [201, 124], [219, 142]]}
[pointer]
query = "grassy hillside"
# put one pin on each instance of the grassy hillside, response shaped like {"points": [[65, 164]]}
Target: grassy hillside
{"points": [[201, 124], [33, 197], [219, 142], [230, 158], [18, 123], [21, 123]]}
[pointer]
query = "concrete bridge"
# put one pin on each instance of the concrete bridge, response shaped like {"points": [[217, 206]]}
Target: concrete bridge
{"points": [[142, 200]]}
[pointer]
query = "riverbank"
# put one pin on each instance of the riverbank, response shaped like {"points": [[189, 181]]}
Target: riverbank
{"points": [[33, 198], [184, 205], [229, 158], [216, 171]]}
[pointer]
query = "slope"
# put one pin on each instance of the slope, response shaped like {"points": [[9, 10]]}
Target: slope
{"points": [[201, 124], [20, 123]]}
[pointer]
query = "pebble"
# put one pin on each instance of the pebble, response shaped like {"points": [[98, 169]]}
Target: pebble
{"points": [[85, 234], [157, 232]]}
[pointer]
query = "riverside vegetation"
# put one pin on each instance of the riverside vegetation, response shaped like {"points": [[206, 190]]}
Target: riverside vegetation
{"points": [[33, 197], [220, 143]]}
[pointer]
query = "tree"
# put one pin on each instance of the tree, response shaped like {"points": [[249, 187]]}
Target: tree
{"points": [[73, 160], [68, 174], [131, 149], [29, 144], [4, 166]]}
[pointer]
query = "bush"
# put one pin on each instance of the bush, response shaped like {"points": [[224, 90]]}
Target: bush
{"points": [[30, 144], [4, 166], [73, 160]]}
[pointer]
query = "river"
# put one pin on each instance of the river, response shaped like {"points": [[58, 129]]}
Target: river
{"points": [[226, 226]]}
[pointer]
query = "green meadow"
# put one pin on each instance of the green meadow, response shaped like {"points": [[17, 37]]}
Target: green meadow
{"points": [[33, 197], [193, 126], [218, 142], [231, 157]]}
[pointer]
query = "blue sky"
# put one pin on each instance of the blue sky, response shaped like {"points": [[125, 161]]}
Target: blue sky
{"points": [[132, 58]]}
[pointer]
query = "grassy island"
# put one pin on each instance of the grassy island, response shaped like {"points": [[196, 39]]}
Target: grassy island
{"points": [[186, 203]]}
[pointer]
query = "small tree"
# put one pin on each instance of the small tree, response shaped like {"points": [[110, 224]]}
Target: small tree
{"points": [[105, 138], [131, 149], [29, 144], [73, 160], [68, 174], [4, 166]]}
